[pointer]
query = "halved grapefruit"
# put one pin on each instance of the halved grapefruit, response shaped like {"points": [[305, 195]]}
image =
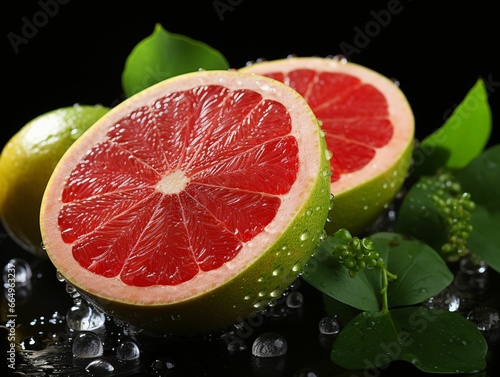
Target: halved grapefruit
{"points": [[369, 129], [192, 204]]}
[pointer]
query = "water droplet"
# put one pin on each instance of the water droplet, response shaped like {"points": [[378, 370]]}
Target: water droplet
{"points": [[294, 300], [163, 364], [84, 317], [175, 317], [277, 271], [448, 299], [269, 344], [324, 235], [247, 298], [128, 350], [99, 367], [297, 267], [471, 266], [16, 271], [309, 212], [261, 294], [276, 292], [365, 207], [395, 81], [485, 318], [305, 235], [32, 343], [328, 154], [338, 57], [59, 277], [259, 304], [87, 344], [236, 345], [329, 325], [260, 279]]}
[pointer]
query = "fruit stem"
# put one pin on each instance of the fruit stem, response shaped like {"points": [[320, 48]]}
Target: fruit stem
{"points": [[386, 278]]}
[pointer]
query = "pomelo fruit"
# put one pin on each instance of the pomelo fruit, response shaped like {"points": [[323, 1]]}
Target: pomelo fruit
{"points": [[26, 163], [192, 204], [369, 127]]}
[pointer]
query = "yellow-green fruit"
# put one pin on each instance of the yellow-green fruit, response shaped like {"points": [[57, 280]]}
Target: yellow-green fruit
{"points": [[26, 163]]}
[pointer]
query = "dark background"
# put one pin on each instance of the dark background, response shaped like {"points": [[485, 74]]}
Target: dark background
{"points": [[76, 50]]}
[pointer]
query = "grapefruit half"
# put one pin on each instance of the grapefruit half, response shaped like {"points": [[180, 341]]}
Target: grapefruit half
{"points": [[191, 205], [369, 127]]}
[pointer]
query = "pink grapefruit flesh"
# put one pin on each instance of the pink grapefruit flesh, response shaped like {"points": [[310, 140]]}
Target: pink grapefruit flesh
{"points": [[205, 193], [369, 129]]}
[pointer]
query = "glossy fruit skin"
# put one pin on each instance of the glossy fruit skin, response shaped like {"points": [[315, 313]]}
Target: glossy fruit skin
{"points": [[26, 163]]}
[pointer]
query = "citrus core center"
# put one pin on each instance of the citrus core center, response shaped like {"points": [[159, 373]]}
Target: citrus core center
{"points": [[172, 183]]}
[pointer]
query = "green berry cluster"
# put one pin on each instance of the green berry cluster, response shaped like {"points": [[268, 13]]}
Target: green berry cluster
{"points": [[455, 207], [357, 254]]}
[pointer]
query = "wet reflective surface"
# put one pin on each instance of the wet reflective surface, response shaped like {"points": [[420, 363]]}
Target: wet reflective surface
{"points": [[59, 334]]}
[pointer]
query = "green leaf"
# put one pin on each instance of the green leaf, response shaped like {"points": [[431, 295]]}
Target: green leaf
{"points": [[163, 55], [419, 216], [325, 272], [421, 273], [481, 179], [462, 137], [484, 239], [433, 340]]}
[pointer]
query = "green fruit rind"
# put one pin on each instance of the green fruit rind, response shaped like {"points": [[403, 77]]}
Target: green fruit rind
{"points": [[251, 291], [26, 163], [359, 207]]}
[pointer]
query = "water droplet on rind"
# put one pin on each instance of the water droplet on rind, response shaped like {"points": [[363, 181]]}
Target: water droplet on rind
{"points": [[276, 292], [297, 267], [305, 235], [277, 271], [60, 277]]}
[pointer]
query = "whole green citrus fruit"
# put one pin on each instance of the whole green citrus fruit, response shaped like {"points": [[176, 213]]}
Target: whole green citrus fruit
{"points": [[26, 163]]}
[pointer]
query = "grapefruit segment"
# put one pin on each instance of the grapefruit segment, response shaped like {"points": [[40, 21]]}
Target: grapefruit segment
{"points": [[369, 129], [186, 197]]}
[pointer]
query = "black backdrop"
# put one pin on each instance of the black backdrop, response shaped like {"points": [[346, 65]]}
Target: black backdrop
{"points": [[60, 52]]}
